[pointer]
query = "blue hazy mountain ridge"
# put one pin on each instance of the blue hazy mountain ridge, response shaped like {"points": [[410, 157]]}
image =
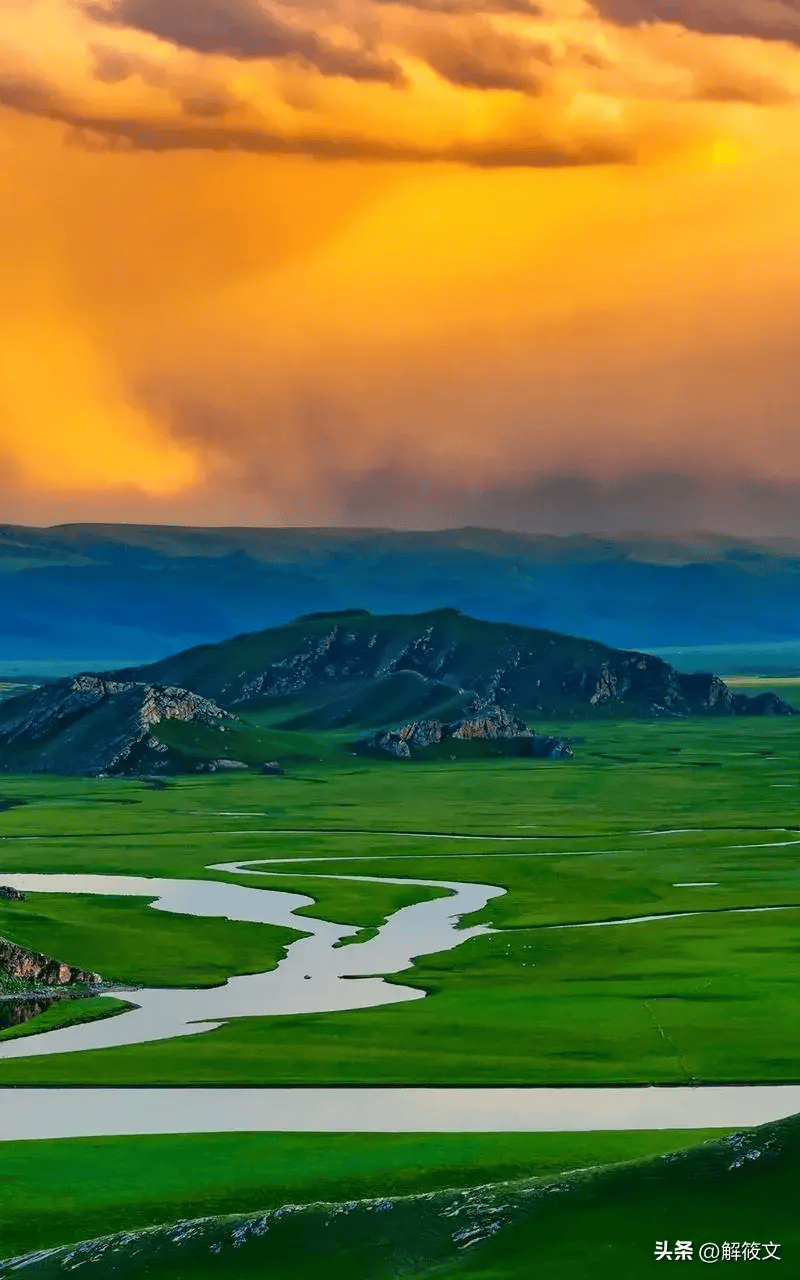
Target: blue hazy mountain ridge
{"points": [[116, 591]]}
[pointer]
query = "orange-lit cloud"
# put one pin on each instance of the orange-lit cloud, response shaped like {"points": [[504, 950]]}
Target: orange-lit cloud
{"points": [[263, 258]]}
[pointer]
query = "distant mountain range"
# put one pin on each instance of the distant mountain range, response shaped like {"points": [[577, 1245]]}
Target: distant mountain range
{"points": [[427, 682], [116, 592]]}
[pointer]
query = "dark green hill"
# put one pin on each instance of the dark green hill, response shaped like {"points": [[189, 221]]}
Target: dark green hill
{"points": [[355, 668], [436, 677], [400, 696]]}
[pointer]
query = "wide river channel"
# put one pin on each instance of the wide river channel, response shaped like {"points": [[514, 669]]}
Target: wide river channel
{"points": [[319, 974]]}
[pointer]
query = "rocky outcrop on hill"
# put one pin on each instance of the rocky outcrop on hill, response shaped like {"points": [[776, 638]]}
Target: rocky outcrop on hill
{"points": [[522, 669], [11, 895], [91, 725], [213, 766], [29, 966], [487, 725]]}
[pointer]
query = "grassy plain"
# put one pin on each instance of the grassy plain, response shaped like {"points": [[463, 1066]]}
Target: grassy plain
{"points": [[649, 819], [786, 687]]}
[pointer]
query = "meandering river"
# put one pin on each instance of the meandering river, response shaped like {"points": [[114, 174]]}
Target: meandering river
{"points": [[316, 975]]}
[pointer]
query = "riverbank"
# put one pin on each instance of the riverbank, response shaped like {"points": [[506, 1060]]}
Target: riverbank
{"points": [[55, 1012]]}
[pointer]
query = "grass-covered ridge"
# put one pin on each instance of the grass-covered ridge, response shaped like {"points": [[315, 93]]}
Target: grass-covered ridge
{"points": [[307, 691], [355, 668], [133, 1183], [601, 1220]]}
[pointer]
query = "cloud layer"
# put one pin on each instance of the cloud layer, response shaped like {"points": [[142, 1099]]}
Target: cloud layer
{"points": [[383, 262], [761, 19], [484, 81]]}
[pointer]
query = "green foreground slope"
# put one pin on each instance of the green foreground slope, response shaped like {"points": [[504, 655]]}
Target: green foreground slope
{"points": [[601, 1222], [129, 1184]]}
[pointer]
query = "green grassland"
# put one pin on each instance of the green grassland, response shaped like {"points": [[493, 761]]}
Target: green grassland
{"points": [[643, 808], [130, 1183], [786, 687], [626, 829], [775, 658], [67, 1013], [128, 943], [557, 1206]]}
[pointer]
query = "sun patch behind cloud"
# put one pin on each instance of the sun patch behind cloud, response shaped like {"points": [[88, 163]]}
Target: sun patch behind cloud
{"points": [[725, 151]]}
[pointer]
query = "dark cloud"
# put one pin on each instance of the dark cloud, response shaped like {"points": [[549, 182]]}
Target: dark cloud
{"points": [[485, 59], [764, 19], [113, 66], [195, 96], [242, 29], [31, 95], [206, 105], [659, 501], [116, 133], [756, 93]]}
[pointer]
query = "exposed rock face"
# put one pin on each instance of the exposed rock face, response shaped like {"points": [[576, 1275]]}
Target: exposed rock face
{"points": [[11, 895], [13, 1013], [392, 742], [17, 962], [93, 725], [494, 723], [212, 766]]}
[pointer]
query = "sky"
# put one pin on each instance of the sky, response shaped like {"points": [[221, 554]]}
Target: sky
{"points": [[531, 264]]}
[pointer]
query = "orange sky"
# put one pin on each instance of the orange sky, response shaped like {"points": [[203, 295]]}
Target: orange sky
{"points": [[278, 263]]}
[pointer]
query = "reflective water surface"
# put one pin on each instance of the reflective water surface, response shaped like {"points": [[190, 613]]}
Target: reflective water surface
{"points": [[65, 1113], [314, 976]]}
